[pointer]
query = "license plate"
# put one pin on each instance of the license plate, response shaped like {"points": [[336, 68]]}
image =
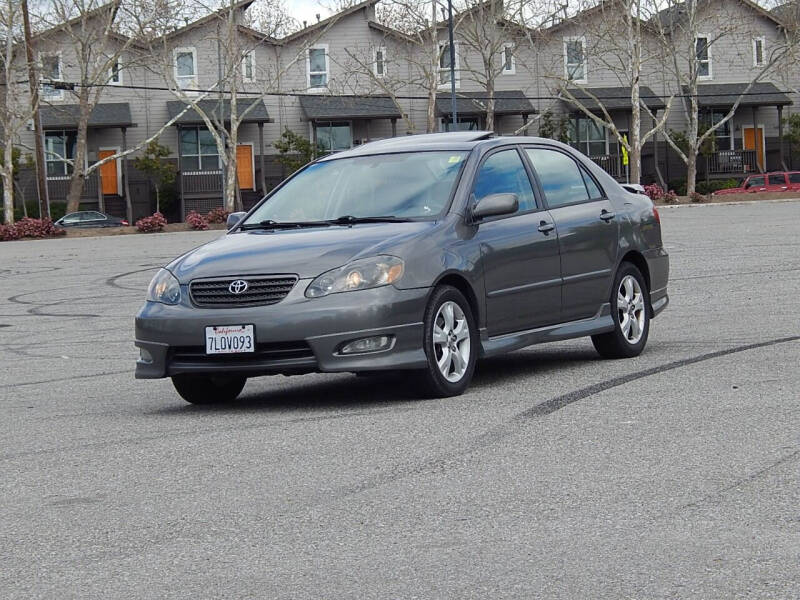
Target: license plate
{"points": [[230, 339]]}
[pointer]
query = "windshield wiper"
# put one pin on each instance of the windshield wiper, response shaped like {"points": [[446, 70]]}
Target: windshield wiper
{"points": [[270, 224], [350, 220]]}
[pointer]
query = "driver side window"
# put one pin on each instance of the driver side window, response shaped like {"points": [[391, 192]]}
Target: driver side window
{"points": [[504, 173]]}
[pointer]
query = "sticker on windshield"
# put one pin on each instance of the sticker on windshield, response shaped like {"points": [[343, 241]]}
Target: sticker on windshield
{"points": [[454, 159]]}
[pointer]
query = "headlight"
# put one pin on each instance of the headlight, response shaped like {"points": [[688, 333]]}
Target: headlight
{"points": [[358, 275], [164, 288]]}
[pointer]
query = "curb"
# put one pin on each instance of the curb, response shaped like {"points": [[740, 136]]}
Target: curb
{"points": [[709, 204]]}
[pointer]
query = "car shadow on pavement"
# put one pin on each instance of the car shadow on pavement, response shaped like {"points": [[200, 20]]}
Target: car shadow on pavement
{"points": [[310, 393]]}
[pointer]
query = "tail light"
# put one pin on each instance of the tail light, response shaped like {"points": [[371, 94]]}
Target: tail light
{"points": [[124, 222], [656, 215]]}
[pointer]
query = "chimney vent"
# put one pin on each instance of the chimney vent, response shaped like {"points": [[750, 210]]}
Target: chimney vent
{"points": [[317, 17]]}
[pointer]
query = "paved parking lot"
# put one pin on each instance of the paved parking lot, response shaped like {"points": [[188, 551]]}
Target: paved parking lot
{"points": [[558, 475]]}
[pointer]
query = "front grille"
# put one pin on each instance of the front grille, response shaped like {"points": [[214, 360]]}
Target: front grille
{"points": [[269, 352], [261, 291]]}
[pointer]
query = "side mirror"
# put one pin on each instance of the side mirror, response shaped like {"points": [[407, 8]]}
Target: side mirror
{"points": [[233, 219], [494, 205]]}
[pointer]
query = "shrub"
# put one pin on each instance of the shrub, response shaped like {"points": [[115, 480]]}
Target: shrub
{"points": [[196, 221], [679, 185], [151, 224], [217, 215], [697, 197], [708, 187], [30, 228], [670, 197]]}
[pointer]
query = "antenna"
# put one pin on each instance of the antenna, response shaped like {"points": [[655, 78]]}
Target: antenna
{"points": [[317, 17]]}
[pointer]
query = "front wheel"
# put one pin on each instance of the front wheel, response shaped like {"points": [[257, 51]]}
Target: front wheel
{"points": [[208, 389], [630, 311], [450, 341]]}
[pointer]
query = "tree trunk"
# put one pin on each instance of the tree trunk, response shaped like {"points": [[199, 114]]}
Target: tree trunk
{"points": [[79, 160], [635, 156], [691, 172], [7, 173], [490, 106]]}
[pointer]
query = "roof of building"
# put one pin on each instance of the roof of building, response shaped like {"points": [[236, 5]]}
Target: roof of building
{"points": [[348, 107], [672, 15], [217, 14], [506, 102], [612, 98], [219, 110], [725, 94], [103, 116], [329, 21]]}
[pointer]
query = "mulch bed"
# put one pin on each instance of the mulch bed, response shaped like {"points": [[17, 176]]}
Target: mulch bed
{"points": [[711, 199]]}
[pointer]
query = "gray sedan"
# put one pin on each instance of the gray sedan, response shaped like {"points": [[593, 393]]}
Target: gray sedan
{"points": [[420, 254]]}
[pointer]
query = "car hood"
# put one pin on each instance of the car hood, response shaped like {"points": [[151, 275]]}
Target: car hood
{"points": [[305, 252]]}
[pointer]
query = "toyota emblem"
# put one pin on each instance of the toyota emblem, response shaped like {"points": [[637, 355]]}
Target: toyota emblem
{"points": [[238, 287]]}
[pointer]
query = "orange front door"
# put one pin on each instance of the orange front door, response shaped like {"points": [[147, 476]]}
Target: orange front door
{"points": [[755, 143], [108, 173], [244, 166]]}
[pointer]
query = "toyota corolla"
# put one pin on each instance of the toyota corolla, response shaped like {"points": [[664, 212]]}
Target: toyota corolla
{"points": [[421, 254]]}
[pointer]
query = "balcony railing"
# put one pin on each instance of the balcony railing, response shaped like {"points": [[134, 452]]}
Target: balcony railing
{"points": [[58, 188], [610, 163], [733, 161], [201, 182]]}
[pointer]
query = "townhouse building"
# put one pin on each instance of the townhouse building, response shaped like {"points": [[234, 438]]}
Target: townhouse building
{"points": [[348, 80]]}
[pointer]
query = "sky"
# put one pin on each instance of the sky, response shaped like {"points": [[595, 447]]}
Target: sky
{"points": [[306, 10]]}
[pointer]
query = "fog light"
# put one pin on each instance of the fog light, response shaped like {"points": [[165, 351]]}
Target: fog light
{"points": [[145, 356], [369, 344]]}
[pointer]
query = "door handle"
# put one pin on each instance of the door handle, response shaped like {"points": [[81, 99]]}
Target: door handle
{"points": [[607, 216], [546, 227]]}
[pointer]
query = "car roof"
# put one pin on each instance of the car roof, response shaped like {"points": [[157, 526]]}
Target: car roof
{"points": [[456, 140]]}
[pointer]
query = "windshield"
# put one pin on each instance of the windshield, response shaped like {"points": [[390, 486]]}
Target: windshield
{"points": [[405, 185]]}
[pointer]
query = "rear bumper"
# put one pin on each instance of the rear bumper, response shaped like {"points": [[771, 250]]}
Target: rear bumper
{"points": [[658, 265], [297, 335]]}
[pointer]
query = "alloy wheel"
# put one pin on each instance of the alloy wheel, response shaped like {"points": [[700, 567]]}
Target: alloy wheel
{"points": [[451, 341], [631, 309]]}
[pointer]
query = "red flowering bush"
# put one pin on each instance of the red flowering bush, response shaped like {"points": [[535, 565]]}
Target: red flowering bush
{"points": [[196, 221], [697, 197], [30, 228], [654, 191], [217, 215], [151, 224], [670, 197]]}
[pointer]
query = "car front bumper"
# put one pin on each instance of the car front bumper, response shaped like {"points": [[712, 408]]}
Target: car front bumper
{"points": [[296, 335]]}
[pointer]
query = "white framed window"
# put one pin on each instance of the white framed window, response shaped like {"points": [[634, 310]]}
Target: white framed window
{"points": [[59, 150], [51, 71], [759, 55], [379, 64], [575, 68], [333, 136], [115, 73], [198, 150], [186, 68], [249, 66], [507, 59], [317, 68], [445, 56], [703, 53]]}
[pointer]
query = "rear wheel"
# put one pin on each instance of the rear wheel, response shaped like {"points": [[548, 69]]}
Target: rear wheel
{"points": [[630, 310], [450, 342], [208, 389]]}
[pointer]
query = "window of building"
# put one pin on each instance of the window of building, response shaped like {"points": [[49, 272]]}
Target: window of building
{"points": [[186, 68], [198, 150], [51, 71], [59, 147], [333, 136], [115, 73], [464, 124], [445, 58], [587, 136], [507, 58], [504, 173], [575, 59], [758, 52], [380, 62], [722, 135], [249, 66], [317, 67], [703, 57], [560, 176]]}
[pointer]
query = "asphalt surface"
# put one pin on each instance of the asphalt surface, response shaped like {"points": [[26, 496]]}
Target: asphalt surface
{"points": [[558, 475]]}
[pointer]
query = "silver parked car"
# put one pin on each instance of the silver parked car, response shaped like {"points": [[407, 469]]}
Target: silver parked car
{"points": [[424, 254]]}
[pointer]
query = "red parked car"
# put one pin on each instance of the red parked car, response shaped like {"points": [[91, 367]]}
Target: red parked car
{"points": [[780, 181]]}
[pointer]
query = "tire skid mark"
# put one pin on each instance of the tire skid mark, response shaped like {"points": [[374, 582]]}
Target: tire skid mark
{"points": [[112, 281], [61, 379]]}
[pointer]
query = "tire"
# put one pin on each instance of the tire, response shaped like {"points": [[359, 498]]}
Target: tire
{"points": [[447, 343], [631, 319], [208, 389]]}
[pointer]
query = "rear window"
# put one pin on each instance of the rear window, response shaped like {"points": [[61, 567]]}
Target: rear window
{"points": [[794, 177], [777, 179]]}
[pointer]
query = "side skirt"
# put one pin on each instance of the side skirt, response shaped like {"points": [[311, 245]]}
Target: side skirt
{"points": [[600, 323]]}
